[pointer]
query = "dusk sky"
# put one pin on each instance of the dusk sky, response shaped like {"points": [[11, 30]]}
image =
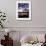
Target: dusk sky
{"points": [[23, 5]]}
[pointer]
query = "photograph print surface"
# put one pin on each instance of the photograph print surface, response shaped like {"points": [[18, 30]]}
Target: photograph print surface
{"points": [[23, 10]]}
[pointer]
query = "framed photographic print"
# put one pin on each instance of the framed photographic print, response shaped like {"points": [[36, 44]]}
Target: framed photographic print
{"points": [[23, 10]]}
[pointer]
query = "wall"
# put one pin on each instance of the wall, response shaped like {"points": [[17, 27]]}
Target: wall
{"points": [[38, 14]]}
